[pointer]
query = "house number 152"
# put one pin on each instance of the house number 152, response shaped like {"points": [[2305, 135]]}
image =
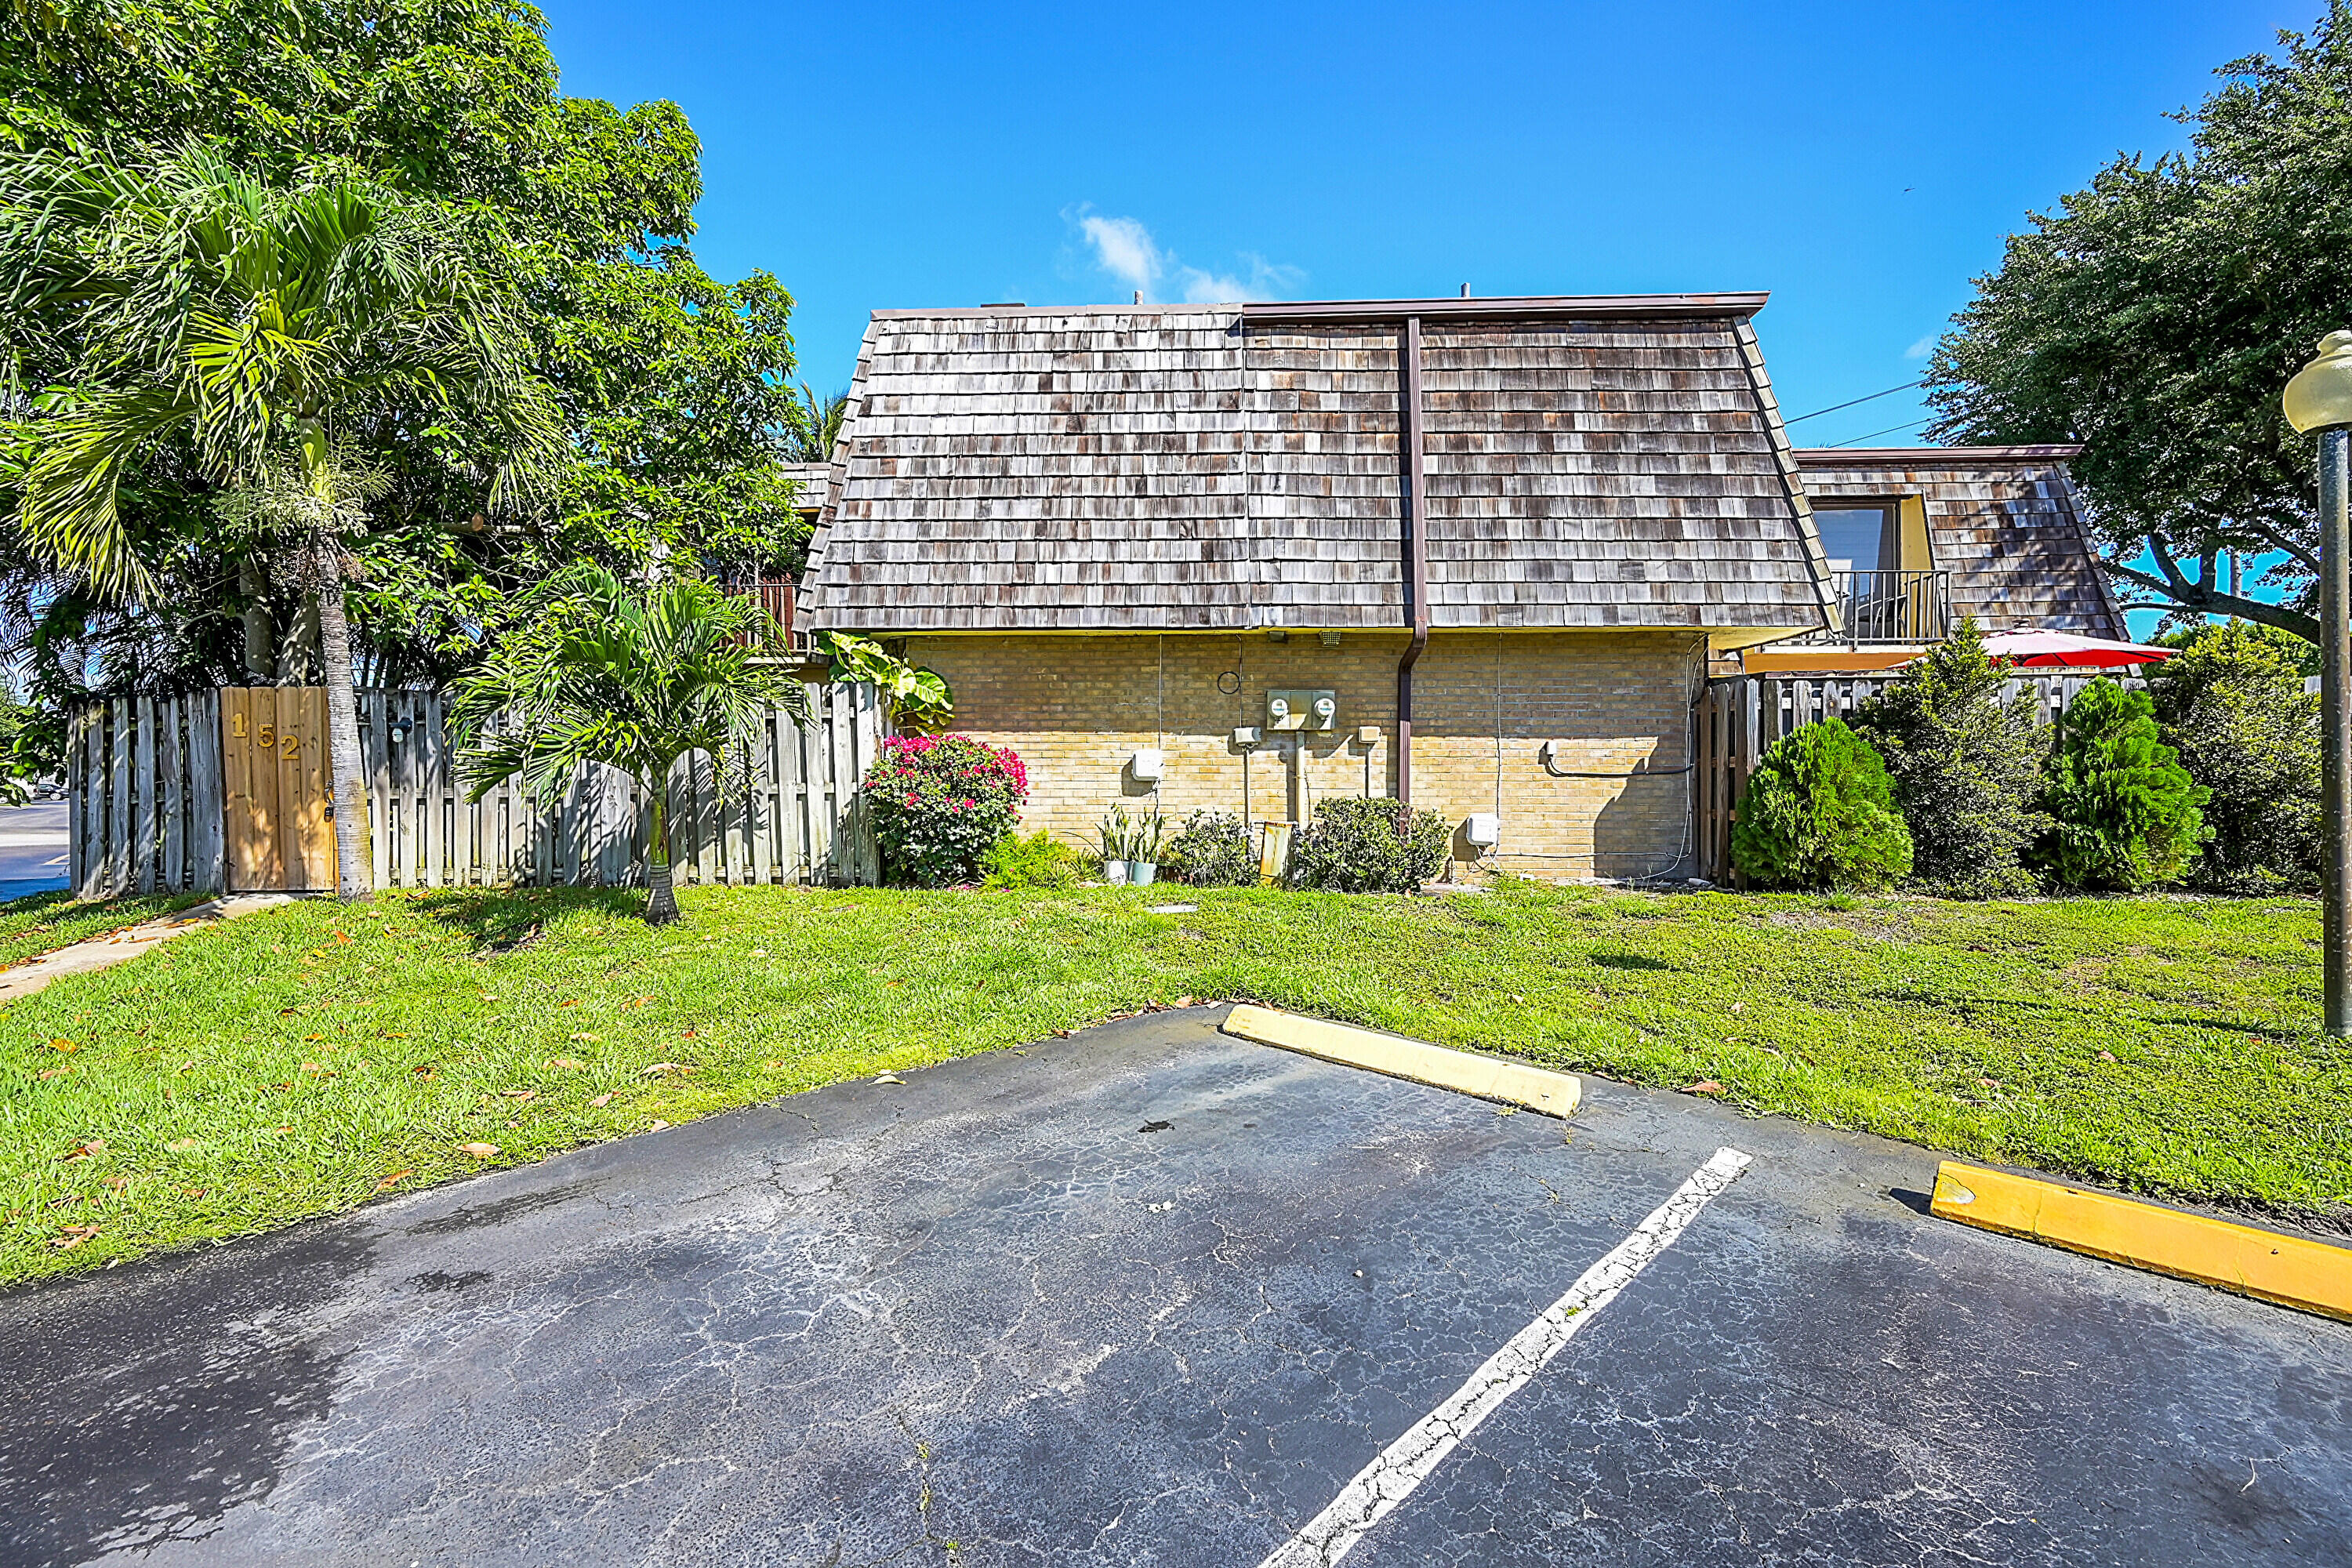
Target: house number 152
{"points": [[288, 746]]}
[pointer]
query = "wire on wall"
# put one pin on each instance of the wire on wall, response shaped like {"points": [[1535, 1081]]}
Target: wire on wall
{"points": [[1689, 767]]}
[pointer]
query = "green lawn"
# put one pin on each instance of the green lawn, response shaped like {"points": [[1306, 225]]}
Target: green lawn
{"points": [[297, 1061], [44, 923]]}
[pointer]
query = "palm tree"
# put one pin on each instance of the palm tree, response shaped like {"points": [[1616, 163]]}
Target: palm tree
{"points": [[595, 671], [817, 427], [267, 336]]}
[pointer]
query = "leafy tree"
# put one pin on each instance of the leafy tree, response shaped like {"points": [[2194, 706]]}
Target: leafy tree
{"points": [[595, 671], [675, 387], [1819, 812], [2125, 815], [673, 381], [262, 336], [2154, 317], [1966, 769], [2231, 703]]}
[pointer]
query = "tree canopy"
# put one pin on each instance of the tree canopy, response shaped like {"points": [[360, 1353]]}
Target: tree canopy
{"points": [[674, 388], [2156, 315]]}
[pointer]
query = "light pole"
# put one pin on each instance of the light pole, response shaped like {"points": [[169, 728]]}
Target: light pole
{"points": [[2320, 398]]}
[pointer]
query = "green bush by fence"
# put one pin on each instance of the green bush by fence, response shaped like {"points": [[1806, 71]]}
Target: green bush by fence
{"points": [[1819, 813]]}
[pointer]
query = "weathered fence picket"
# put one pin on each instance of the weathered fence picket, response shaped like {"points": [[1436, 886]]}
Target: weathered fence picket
{"points": [[1739, 717], [146, 796]]}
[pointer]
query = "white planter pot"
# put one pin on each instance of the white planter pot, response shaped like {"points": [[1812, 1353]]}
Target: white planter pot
{"points": [[1142, 873], [1114, 873]]}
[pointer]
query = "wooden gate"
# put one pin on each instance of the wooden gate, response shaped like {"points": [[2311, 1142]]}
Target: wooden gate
{"points": [[276, 803]]}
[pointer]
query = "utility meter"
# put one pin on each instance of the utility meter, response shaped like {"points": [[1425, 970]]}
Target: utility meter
{"points": [[1301, 709]]}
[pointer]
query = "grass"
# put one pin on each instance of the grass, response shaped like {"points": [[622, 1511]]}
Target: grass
{"points": [[44, 923], [299, 1060]]}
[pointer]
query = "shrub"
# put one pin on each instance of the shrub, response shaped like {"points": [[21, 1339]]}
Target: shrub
{"points": [[1213, 851], [2231, 703], [2125, 813], [1036, 861], [1819, 813], [1967, 771], [1355, 846], [939, 803]]}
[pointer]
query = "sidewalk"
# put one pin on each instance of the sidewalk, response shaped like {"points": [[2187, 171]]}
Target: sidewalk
{"points": [[105, 951]]}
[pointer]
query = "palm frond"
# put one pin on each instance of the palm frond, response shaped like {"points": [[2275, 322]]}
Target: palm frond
{"points": [[68, 513], [249, 313], [599, 672]]}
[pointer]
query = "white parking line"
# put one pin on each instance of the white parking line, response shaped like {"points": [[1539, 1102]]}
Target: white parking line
{"points": [[1404, 1464]]}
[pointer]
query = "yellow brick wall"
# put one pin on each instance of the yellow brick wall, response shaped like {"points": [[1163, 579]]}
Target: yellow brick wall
{"points": [[1076, 708]]}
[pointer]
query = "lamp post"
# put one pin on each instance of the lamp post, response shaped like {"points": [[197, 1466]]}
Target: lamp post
{"points": [[2320, 398]]}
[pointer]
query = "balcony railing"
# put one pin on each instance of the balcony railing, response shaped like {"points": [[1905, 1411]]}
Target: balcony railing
{"points": [[1890, 607], [775, 597]]}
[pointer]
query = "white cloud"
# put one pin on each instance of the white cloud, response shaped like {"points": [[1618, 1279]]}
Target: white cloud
{"points": [[1266, 279], [1124, 247], [1923, 347]]}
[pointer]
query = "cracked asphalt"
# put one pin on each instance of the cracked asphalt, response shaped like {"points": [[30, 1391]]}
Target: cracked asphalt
{"points": [[1000, 1315]]}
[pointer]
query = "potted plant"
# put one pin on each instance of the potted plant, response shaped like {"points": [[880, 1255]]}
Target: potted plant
{"points": [[1143, 849], [1116, 832]]}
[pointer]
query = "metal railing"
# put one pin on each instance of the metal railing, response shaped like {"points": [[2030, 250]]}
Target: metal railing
{"points": [[1890, 607]]}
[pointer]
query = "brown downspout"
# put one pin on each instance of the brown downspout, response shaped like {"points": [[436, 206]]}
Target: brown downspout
{"points": [[1413, 516]]}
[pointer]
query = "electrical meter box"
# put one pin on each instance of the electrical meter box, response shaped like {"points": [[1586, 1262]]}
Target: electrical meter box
{"points": [[1302, 709]]}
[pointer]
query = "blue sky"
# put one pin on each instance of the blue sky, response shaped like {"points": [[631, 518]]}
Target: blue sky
{"points": [[1862, 162]]}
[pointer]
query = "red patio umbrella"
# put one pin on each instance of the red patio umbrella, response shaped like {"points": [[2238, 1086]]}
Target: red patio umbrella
{"points": [[2042, 649]]}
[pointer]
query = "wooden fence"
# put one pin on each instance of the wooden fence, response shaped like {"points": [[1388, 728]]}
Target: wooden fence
{"points": [[1738, 718], [146, 803]]}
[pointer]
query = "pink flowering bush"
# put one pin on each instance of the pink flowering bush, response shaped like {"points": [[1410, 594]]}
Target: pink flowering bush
{"points": [[939, 803]]}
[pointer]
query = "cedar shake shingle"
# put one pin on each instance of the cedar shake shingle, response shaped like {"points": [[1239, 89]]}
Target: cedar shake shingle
{"points": [[2004, 521], [1190, 467]]}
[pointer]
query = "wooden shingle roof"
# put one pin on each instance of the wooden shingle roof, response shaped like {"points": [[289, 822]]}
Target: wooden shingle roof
{"points": [[2003, 520], [1611, 462], [816, 481]]}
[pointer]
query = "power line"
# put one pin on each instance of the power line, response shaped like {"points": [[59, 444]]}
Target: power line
{"points": [[1907, 425], [1873, 397]]}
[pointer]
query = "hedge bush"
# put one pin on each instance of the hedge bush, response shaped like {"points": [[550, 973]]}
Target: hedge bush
{"points": [[938, 804], [1213, 851], [2231, 703], [2125, 816], [1819, 813], [1967, 771], [1036, 861], [1357, 845]]}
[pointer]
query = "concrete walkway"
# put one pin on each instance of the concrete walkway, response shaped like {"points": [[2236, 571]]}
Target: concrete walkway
{"points": [[106, 952]]}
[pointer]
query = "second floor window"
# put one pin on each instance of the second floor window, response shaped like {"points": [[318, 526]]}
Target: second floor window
{"points": [[1860, 538]]}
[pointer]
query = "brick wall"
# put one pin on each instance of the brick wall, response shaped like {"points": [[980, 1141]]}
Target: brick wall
{"points": [[1078, 708]]}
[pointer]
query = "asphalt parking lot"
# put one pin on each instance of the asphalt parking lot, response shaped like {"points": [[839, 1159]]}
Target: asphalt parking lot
{"points": [[1152, 1295]]}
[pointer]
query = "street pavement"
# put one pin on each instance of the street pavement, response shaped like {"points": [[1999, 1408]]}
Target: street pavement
{"points": [[1153, 1295], [33, 844]]}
